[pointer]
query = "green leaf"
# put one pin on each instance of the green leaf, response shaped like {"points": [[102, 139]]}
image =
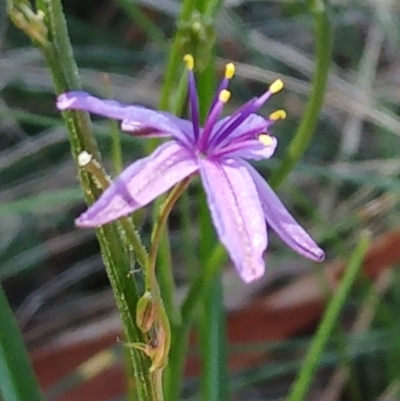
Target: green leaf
{"points": [[17, 379]]}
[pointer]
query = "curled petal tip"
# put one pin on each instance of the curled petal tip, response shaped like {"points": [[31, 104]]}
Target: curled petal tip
{"points": [[82, 221], [319, 255], [249, 276]]}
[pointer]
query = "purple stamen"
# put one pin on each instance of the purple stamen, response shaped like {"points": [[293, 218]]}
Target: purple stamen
{"points": [[214, 115], [229, 72], [193, 104], [252, 134], [193, 98], [236, 119], [250, 107]]}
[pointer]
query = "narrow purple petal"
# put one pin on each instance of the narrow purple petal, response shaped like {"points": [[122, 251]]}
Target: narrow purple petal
{"points": [[140, 183], [283, 222], [237, 215], [135, 119], [250, 149]]}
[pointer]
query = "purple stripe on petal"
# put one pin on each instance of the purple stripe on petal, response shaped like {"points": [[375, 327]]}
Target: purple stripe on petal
{"points": [[136, 119], [140, 130], [250, 149], [283, 222], [237, 215], [140, 183]]}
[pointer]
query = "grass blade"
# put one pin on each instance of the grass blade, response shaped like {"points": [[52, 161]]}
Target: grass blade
{"points": [[329, 320], [17, 379]]}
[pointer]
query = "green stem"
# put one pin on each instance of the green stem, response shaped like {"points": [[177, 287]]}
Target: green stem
{"points": [[58, 53], [188, 311], [174, 59], [310, 364], [163, 327], [212, 335], [160, 224], [304, 134]]}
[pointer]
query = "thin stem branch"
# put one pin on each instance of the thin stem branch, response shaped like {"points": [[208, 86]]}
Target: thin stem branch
{"points": [[304, 134]]}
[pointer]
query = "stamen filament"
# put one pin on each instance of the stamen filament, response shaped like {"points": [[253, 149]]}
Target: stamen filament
{"points": [[193, 97], [250, 108], [245, 136], [242, 144], [228, 75], [213, 116], [236, 119]]}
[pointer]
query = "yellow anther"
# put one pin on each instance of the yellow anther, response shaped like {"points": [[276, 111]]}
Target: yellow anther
{"points": [[189, 61], [229, 70], [278, 115], [265, 139], [276, 86], [224, 96]]}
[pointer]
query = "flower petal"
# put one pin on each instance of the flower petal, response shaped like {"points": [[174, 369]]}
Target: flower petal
{"points": [[237, 215], [250, 149], [283, 222], [140, 183], [135, 119], [185, 126]]}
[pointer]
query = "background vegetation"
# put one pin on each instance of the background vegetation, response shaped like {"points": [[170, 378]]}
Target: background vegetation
{"points": [[346, 182]]}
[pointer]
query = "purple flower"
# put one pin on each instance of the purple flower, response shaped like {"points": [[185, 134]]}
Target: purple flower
{"points": [[241, 203]]}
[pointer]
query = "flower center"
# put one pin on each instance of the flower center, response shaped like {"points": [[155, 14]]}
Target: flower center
{"points": [[207, 139]]}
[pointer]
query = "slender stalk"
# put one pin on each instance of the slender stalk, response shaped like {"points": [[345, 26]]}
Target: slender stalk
{"points": [[213, 348], [57, 50], [165, 210], [304, 134], [162, 323], [310, 364], [188, 311], [175, 56]]}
